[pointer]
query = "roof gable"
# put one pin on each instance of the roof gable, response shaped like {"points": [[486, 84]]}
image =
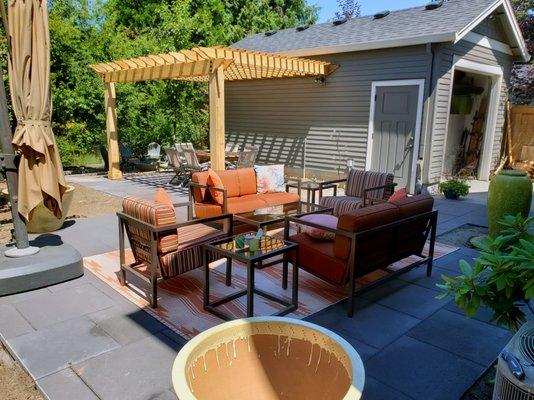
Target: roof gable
{"points": [[412, 26]]}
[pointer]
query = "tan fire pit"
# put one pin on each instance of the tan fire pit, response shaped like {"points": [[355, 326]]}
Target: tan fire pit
{"points": [[268, 358]]}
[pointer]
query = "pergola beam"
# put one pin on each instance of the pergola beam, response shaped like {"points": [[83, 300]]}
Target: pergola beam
{"points": [[201, 64], [216, 99], [114, 158]]}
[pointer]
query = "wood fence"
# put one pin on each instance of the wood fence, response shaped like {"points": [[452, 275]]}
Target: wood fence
{"points": [[522, 133]]}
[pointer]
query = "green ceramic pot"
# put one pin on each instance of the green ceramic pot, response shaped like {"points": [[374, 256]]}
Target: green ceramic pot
{"points": [[510, 192]]}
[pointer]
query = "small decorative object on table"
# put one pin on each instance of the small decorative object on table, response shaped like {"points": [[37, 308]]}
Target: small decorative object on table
{"points": [[454, 188], [254, 242], [239, 241]]}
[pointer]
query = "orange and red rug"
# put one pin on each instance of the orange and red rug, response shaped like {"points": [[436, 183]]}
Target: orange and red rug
{"points": [[180, 298]]}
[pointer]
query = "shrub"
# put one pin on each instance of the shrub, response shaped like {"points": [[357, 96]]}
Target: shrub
{"points": [[456, 187], [502, 277]]}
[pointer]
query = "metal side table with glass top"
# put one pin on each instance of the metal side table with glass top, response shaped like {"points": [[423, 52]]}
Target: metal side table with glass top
{"points": [[312, 188], [269, 247]]}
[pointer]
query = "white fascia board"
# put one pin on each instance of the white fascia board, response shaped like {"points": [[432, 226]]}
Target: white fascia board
{"points": [[487, 42], [518, 37], [378, 44]]}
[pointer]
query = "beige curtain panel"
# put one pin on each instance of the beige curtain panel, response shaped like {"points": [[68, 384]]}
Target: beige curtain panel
{"points": [[41, 175]]}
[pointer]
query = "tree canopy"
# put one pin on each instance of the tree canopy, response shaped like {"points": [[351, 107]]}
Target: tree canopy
{"points": [[83, 32]]}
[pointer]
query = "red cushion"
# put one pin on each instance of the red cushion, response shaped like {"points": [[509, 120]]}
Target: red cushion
{"points": [[398, 195], [318, 257]]}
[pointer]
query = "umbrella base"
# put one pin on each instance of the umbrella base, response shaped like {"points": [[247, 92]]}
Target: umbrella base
{"points": [[15, 252], [54, 263]]}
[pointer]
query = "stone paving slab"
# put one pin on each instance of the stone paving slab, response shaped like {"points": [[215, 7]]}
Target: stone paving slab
{"points": [[126, 323], [51, 308], [375, 390], [56, 347], [12, 322], [420, 279], [138, 371], [417, 301], [373, 324], [423, 371], [65, 385], [468, 338]]}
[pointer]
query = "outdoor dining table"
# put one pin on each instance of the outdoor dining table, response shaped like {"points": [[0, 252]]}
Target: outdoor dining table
{"points": [[204, 155]]}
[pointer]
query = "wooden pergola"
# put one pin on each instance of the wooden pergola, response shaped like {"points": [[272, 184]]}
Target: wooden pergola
{"points": [[213, 65]]}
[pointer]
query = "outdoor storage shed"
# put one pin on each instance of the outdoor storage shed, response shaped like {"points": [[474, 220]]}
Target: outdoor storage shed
{"points": [[419, 92]]}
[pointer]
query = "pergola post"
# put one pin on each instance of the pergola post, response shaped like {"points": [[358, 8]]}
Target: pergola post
{"points": [[110, 101], [216, 97]]}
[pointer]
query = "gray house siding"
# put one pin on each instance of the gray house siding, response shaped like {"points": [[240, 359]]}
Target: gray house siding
{"points": [[319, 127], [445, 56], [491, 28]]}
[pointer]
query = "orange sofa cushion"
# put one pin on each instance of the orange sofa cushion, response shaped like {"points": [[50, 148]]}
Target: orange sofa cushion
{"points": [[247, 203], [215, 182], [208, 209], [317, 256], [237, 182], [279, 198], [201, 194]]}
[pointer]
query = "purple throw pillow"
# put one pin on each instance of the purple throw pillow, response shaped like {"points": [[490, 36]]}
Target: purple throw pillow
{"points": [[326, 220]]}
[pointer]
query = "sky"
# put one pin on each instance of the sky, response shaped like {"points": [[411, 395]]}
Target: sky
{"points": [[329, 7]]}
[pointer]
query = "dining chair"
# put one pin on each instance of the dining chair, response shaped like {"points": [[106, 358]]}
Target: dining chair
{"points": [[231, 147], [247, 158], [177, 164], [191, 163]]}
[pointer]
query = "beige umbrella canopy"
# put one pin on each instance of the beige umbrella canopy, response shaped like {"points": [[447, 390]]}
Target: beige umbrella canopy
{"points": [[41, 175]]}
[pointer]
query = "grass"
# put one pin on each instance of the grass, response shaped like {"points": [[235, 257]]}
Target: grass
{"points": [[83, 160]]}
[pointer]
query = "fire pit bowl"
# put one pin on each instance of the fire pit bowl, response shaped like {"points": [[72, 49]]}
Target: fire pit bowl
{"points": [[268, 358]]}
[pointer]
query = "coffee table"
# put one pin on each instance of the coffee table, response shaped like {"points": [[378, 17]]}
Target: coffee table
{"points": [[269, 247], [263, 217]]}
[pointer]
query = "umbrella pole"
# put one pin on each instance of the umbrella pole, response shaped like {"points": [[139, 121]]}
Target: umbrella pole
{"points": [[7, 160]]}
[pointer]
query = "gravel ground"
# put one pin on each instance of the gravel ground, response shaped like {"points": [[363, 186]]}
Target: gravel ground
{"points": [[15, 384]]}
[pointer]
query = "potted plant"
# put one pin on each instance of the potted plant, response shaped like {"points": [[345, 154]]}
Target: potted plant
{"points": [[454, 188], [502, 277]]}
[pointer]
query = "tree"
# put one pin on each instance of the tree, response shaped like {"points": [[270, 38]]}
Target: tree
{"points": [[522, 79], [348, 9], [83, 32]]}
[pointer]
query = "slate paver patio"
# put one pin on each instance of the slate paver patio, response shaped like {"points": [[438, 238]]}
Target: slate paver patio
{"points": [[81, 339]]}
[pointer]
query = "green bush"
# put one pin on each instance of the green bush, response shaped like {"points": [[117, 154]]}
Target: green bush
{"points": [[454, 186], [502, 277]]}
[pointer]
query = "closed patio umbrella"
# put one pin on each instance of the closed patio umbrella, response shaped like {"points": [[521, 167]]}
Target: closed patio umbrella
{"points": [[41, 175]]}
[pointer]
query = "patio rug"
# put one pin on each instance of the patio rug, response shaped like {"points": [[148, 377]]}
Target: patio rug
{"points": [[180, 298]]}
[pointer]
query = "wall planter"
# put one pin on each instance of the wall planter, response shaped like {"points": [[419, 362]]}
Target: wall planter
{"points": [[510, 192], [268, 358]]}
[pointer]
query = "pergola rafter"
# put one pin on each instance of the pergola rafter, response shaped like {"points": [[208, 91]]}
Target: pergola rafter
{"points": [[201, 64]]}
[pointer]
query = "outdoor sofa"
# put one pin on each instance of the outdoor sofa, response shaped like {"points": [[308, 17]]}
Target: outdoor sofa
{"points": [[362, 188], [239, 194], [366, 240], [163, 248]]}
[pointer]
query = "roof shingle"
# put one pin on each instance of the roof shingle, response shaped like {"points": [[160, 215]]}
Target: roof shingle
{"points": [[450, 18]]}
